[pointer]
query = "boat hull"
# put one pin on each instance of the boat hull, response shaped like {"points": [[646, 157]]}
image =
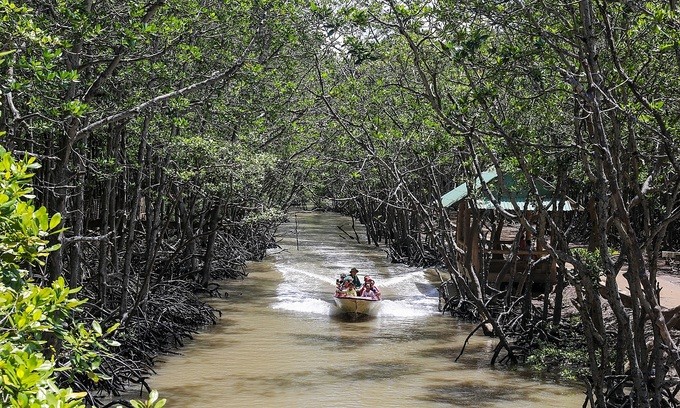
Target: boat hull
{"points": [[357, 305]]}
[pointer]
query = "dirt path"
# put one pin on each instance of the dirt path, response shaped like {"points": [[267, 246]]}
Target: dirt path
{"points": [[669, 282], [670, 290]]}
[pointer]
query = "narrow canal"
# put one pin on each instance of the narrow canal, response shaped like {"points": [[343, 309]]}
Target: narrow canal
{"points": [[280, 341]]}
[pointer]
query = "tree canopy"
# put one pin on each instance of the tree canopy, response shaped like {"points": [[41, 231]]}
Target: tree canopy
{"points": [[174, 134]]}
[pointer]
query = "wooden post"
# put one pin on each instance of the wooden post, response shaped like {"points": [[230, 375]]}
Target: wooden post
{"points": [[460, 224]]}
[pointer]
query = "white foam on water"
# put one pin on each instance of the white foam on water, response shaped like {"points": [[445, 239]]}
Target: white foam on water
{"points": [[407, 294], [306, 276], [409, 278], [311, 263], [400, 308], [301, 289], [307, 306]]}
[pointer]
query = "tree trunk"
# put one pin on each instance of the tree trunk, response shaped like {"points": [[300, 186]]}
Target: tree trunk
{"points": [[215, 217], [77, 222], [132, 223]]}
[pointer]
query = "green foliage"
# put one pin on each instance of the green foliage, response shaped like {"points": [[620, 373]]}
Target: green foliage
{"points": [[151, 402], [222, 168], [266, 216], [33, 317], [39, 337], [23, 228], [592, 263], [568, 363]]}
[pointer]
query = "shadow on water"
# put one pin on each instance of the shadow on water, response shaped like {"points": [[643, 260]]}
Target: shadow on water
{"points": [[384, 370], [426, 289], [351, 317], [470, 394]]}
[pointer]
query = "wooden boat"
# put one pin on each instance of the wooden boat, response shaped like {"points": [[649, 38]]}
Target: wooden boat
{"points": [[357, 304]]}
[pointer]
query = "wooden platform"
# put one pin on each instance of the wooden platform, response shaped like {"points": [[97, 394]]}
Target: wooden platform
{"points": [[516, 272], [669, 256]]}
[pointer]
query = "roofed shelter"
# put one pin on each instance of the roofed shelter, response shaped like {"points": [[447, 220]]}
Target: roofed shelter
{"points": [[485, 238]]}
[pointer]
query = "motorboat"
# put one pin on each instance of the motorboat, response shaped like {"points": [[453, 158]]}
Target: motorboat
{"points": [[357, 305]]}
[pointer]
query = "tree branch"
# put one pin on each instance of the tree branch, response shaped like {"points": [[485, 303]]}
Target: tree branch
{"points": [[217, 76]]}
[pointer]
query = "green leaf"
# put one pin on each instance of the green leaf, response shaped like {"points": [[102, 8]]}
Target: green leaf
{"points": [[55, 220], [42, 217], [153, 396], [112, 328]]}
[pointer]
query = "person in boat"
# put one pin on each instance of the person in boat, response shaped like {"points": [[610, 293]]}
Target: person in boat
{"points": [[339, 282], [357, 282], [369, 289], [347, 288]]}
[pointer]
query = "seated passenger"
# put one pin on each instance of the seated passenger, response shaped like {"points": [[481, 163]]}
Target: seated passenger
{"points": [[347, 288], [340, 281], [369, 289]]}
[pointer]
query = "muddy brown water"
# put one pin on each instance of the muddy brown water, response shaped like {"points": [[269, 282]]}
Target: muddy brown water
{"points": [[281, 343]]}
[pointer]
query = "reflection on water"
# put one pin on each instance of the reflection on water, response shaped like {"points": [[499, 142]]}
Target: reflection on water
{"points": [[281, 341]]}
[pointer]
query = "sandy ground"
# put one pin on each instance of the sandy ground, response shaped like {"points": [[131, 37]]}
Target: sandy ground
{"points": [[668, 278], [670, 290]]}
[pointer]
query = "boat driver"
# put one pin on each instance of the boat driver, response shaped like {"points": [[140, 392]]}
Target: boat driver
{"points": [[355, 279]]}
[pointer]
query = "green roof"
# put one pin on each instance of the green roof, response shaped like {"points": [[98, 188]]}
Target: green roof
{"points": [[460, 192], [511, 192]]}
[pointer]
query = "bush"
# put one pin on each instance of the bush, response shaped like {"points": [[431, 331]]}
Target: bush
{"points": [[34, 328]]}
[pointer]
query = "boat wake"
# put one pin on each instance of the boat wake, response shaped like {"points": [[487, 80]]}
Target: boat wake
{"points": [[406, 295], [408, 278], [309, 305], [401, 308]]}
